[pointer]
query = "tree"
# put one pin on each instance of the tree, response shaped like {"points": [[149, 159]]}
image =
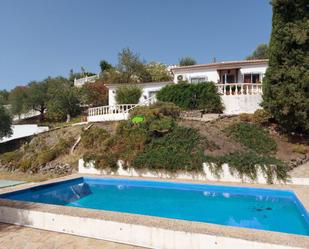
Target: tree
{"points": [[131, 68], [158, 72], [128, 95], [63, 102], [94, 94], [187, 61], [104, 65], [286, 85], [5, 122], [37, 96], [261, 52], [4, 97], [18, 100]]}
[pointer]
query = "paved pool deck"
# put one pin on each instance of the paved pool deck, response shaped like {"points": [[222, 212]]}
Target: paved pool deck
{"points": [[9, 183], [18, 237], [301, 171], [268, 237]]}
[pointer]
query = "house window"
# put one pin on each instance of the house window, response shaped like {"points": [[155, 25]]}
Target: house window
{"points": [[198, 79], [252, 78]]}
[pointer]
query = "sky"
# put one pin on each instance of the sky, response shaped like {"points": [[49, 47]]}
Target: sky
{"points": [[41, 38]]}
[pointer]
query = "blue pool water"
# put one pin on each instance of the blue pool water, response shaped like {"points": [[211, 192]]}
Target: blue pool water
{"points": [[265, 209]]}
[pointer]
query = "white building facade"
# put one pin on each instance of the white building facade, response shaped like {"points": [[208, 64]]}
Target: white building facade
{"points": [[239, 84], [249, 71]]}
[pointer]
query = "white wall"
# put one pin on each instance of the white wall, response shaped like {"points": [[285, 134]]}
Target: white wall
{"points": [[206, 175], [236, 104], [147, 88], [129, 233], [108, 117], [20, 131], [212, 74]]}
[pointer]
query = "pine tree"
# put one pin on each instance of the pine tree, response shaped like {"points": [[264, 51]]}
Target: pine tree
{"points": [[286, 85]]}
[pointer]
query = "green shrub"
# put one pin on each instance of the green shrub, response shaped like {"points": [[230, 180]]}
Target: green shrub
{"points": [[50, 154], [253, 137], [11, 157], [128, 142], [193, 96], [245, 164], [46, 156], [128, 94], [162, 125], [25, 164], [245, 117], [157, 109], [261, 116], [300, 148], [102, 160], [94, 137], [177, 150]]}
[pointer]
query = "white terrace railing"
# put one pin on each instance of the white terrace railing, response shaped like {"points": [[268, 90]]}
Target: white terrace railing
{"points": [[240, 88], [82, 81], [115, 112], [115, 109]]}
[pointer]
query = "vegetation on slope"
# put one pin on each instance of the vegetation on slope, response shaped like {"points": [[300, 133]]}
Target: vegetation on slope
{"points": [[253, 137], [160, 143], [48, 148]]}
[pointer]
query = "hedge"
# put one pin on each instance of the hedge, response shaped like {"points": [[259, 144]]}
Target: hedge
{"points": [[201, 96]]}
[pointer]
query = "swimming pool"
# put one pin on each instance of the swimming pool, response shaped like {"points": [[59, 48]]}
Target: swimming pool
{"points": [[264, 209]]}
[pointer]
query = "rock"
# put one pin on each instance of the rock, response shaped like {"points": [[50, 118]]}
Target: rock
{"points": [[210, 117], [191, 114], [55, 168]]}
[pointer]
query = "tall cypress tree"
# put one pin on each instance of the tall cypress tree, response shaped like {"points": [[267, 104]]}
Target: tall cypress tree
{"points": [[286, 85]]}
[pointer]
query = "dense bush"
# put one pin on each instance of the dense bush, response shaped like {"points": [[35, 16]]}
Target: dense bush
{"points": [[94, 94], [245, 117], [10, 158], [253, 137], [49, 154], [261, 116], [178, 150], [102, 160], [245, 164], [128, 94], [157, 109], [94, 137], [192, 96], [300, 148]]}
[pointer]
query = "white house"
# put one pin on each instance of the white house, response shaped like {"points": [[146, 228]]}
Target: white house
{"points": [[238, 82], [83, 81], [248, 71], [149, 90]]}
